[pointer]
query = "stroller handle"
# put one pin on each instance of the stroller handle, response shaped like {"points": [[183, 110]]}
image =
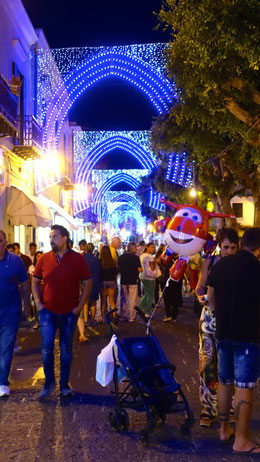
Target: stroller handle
{"points": [[109, 314]]}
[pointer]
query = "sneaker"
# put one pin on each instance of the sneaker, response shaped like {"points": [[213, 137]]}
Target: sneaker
{"points": [[167, 319], [4, 391], [47, 390], [66, 392]]}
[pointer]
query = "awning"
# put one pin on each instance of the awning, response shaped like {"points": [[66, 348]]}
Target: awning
{"points": [[27, 210], [72, 223]]}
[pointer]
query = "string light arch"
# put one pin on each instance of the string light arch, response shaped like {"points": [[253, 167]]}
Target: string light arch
{"points": [[86, 166], [110, 63], [109, 184]]}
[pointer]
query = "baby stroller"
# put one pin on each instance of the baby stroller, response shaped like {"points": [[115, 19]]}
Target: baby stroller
{"points": [[149, 385]]}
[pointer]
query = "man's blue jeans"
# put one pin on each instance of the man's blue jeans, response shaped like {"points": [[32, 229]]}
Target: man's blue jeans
{"points": [[49, 323], [9, 322]]}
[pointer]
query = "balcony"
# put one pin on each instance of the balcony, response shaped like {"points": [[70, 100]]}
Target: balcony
{"points": [[29, 141], [8, 110]]}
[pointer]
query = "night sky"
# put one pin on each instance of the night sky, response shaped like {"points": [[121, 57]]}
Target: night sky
{"points": [[96, 22], [112, 104]]}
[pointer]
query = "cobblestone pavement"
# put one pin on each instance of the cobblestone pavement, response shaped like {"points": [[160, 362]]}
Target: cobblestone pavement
{"points": [[77, 430]]}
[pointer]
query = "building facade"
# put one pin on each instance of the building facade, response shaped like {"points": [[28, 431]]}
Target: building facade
{"points": [[27, 210]]}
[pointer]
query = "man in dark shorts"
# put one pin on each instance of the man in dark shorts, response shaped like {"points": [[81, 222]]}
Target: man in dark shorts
{"points": [[234, 292], [59, 304]]}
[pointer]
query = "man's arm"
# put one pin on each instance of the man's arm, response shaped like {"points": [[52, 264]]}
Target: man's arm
{"points": [[25, 293], [36, 291], [140, 269], [86, 288], [211, 297], [200, 288]]}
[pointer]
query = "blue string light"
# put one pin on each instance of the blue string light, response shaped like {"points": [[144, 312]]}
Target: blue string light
{"points": [[88, 163], [65, 74], [154, 85], [109, 184]]}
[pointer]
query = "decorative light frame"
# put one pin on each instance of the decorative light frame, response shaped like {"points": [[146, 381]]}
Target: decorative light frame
{"points": [[64, 74], [116, 179], [105, 64]]}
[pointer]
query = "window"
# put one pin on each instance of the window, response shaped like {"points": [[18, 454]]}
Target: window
{"points": [[238, 209]]}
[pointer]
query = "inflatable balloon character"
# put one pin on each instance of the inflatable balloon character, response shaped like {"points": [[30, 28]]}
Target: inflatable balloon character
{"points": [[186, 234]]}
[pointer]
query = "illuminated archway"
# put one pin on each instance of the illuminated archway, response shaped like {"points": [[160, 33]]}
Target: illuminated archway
{"points": [[121, 206], [105, 64], [101, 149], [109, 184], [124, 197]]}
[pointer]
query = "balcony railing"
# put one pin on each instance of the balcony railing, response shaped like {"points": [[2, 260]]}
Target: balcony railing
{"points": [[29, 141], [8, 109]]}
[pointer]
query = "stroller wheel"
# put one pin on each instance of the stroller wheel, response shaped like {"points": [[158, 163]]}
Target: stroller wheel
{"points": [[158, 417], [124, 421], [113, 420], [119, 420]]}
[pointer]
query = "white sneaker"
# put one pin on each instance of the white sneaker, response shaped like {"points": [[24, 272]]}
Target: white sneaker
{"points": [[4, 391], [167, 319]]}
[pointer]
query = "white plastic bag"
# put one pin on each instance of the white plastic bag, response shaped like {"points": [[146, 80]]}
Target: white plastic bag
{"points": [[105, 364]]}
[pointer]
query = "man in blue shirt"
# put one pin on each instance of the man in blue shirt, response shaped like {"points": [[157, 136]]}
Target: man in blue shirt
{"points": [[12, 276]]}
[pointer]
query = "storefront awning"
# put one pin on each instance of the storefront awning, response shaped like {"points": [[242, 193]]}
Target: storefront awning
{"points": [[27, 210], [72, 223]]}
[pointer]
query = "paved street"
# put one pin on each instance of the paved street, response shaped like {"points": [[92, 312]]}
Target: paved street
{"points": [[77, 430]]}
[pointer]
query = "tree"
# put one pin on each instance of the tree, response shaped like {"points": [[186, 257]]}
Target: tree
{"points": [[213, 59]]}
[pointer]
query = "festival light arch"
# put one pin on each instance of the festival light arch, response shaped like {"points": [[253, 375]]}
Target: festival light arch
{"points": [[123, 198], [142, 65], [110, 63], [86, 166], [109, 184]]}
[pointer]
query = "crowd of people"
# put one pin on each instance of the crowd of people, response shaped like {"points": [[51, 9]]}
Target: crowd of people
{"points": [[60, 289]]}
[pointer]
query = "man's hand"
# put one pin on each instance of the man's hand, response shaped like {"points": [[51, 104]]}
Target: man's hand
{"points": [[36, 291], [39, 306], [25, 290], [76, 311], [203, 299]]}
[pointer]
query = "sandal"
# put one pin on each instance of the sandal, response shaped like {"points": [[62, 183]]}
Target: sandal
{"points": [[250, 452], [206, 420]]}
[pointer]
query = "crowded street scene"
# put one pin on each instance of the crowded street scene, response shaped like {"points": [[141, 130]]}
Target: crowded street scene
{"points": [[129, 231]]}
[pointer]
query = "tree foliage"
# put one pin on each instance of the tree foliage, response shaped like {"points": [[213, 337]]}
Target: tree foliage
{"points": [[213, 59]]}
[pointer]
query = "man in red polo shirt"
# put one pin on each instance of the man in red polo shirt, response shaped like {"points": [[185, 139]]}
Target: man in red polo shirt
{"points": [[59, 302]]}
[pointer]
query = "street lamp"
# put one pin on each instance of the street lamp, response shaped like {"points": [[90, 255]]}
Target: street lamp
{"points": [[150, 229], [193, 193]]}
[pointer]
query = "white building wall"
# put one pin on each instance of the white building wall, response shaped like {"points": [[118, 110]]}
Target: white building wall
{"points": [[17, 35], [248, 209]]}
